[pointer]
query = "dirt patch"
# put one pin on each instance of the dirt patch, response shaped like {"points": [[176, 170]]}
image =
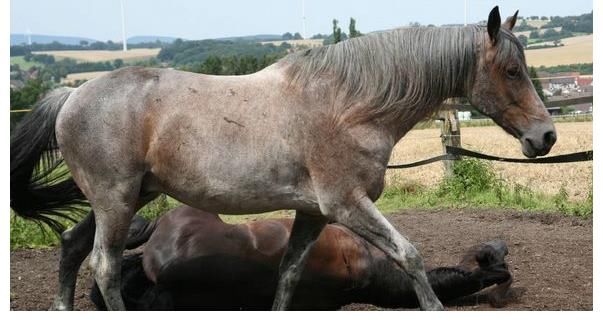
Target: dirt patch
{"points": [[550, 256]]}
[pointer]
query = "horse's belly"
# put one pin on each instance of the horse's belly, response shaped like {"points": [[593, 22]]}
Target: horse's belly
{"points": [[227, 190]]}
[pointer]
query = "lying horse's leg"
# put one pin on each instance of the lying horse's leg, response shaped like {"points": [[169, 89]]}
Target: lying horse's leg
{"points": [[76, 244], [360, 215], [306, 230]]}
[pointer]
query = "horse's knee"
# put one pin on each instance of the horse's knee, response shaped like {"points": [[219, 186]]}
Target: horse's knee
{"points": [[411, 259]]}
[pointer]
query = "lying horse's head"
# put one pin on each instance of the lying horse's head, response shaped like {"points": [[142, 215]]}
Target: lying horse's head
{"points": [[503, 91], [486, 262]]}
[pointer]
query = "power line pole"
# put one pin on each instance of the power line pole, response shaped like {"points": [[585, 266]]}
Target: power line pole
{"points": [[123, 27]]}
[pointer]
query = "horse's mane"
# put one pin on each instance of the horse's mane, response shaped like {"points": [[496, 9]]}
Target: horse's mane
{"points": [[398, 72]]}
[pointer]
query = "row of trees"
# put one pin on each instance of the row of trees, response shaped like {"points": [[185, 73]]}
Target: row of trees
{"points": [[181, 53], [338, 35], [581, 23], [21, 50], [231, 65]]}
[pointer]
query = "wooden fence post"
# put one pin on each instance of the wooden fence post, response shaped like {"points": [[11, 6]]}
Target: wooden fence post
{"points": [[451, 135]]}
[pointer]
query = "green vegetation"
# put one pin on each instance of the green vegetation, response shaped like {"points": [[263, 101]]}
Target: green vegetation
{"points": [[582, 68], [232, 65], [181, 53], [22, 63], [582, 23], [537, 84], [474, 184], [19, 50]]}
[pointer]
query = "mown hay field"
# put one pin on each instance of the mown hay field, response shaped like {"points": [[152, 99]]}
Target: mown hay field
{"points": [[575, 50], [72, 78], [576, 178], [99, 56]]}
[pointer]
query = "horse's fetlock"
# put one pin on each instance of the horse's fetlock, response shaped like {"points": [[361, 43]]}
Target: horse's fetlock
{"points": [[66, 237]]}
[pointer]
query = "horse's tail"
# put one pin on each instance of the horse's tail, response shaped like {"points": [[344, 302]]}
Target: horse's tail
{"points": [[40, 185], [140, 231]]}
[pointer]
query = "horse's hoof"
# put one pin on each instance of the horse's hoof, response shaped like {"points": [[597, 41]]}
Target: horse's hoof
{"points": [[60, 306], [435, 306]]}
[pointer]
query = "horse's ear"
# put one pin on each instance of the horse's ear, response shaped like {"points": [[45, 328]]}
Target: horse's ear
{"points": [[493, 24], [510, 22]]}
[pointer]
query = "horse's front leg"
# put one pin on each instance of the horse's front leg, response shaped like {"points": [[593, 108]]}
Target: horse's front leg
{"points": [[306, 230], [76, 244], [357, 212]]}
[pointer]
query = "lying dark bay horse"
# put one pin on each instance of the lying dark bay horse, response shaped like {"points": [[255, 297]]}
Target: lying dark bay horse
{"points": [[313, 132], [195, 261]]}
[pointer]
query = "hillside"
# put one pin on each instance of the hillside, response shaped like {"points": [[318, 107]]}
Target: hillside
{"points": [[576, 50], [20, 38]]}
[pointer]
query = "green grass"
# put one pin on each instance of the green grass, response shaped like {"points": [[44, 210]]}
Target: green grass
{"points": [[473, 185], [24, 65]]}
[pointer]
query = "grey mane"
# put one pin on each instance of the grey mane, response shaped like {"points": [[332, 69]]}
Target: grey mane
{"points": [[398, 72]]}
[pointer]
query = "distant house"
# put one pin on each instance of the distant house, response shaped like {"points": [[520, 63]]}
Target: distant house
{"points": [[16, 84]]}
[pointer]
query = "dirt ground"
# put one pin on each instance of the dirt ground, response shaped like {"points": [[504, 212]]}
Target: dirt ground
{"points": [[550, 256]]}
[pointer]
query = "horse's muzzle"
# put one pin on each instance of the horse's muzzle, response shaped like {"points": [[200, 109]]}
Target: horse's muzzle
{"points": [[539, 139]]}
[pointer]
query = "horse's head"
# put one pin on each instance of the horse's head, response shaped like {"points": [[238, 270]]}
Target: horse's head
{"points": [[503, 91], [487, 264]]}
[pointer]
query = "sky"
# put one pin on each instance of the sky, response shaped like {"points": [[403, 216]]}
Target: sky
{"points": [[101, 19]]}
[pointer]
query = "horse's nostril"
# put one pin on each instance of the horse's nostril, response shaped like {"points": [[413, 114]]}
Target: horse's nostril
{"points": [[550, 138]]}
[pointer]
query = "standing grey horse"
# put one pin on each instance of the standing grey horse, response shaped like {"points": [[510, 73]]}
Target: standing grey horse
{"points": [[313, 132]]}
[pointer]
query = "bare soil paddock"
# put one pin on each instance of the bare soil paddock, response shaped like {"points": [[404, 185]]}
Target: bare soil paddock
{"points": [[550, 256]]}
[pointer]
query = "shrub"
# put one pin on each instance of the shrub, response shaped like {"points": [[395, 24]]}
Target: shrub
{"points": [[469, 176]]}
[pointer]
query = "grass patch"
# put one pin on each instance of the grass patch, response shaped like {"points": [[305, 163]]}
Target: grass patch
{"points": [[474, 184], [24, 65]]}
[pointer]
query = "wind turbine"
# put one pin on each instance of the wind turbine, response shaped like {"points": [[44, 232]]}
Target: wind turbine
{"points": [[28, 36], [123, 27], [303, 19]]}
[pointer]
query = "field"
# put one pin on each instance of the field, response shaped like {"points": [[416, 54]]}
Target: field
{"points": [[576, 50], [576, 178], [71, 78], [550, 257], [24, 65], [98, 56]]}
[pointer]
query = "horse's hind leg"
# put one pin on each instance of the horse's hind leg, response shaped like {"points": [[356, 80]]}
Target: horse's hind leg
{"points": [[114, 206], [360, 215], [76, 244], [306, 230]]}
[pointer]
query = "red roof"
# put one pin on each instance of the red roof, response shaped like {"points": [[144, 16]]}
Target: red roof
{"points": [[585, 81]]}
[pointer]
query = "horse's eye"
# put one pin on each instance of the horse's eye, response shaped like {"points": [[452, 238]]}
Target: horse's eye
{"points": [[513, 72]]}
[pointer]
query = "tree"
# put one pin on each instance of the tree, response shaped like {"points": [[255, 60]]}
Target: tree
{"points": [[118, 63], [353, 32], [523, 40], [83, 43], [27, 96], [534, 34], [544, 18], [297, 36], [287, 36], [336, 32], [537, 85]]}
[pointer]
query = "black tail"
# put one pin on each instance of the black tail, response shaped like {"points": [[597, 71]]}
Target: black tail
{"points": [[41, 188]]}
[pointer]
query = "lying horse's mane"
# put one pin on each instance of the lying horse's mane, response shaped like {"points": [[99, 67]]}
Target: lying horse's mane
{"points": [[398, 71]]}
